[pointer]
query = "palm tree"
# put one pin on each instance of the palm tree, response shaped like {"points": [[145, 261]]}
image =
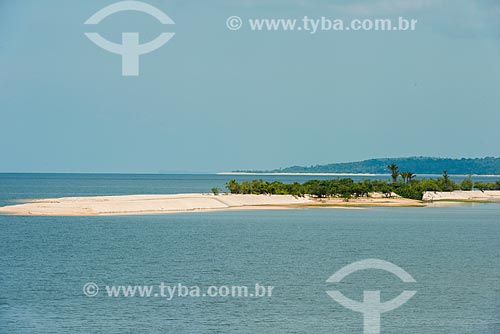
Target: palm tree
{"points": [[407, 176], [404, 175], [394, 172]]}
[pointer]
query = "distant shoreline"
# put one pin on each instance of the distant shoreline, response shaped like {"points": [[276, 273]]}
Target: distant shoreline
{"points": [[179, 203], [298, 174], [418, 165], [342, 174], [237, 173]]}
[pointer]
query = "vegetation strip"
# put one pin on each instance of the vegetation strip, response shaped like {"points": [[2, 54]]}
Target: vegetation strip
{"points": [[403, 184]]}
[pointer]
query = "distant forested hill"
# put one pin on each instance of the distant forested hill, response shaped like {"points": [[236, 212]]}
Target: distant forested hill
{"points": [[418, 165]]}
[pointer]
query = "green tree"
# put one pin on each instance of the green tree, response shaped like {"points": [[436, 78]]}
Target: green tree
{"points": [[428, 185], [394, 172], [481, 186], [446, 178], [446, 183], [233, 187], [407, 176], [466, 184]]}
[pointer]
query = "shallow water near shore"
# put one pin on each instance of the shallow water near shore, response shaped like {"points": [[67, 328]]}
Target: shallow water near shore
{"points": [[452, 252]]}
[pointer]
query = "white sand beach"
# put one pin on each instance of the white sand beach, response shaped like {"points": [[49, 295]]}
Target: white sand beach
{"points": [[177, 203], [160, 204], [146, 204], [474, 195]]}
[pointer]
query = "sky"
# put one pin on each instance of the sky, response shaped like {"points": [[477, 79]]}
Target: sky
{"points": [[212, 99]]}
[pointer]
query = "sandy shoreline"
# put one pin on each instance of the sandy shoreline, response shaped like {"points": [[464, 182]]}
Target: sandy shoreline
{"points": [[145, 204], [161, 204], [177, 203], [458, 195]]}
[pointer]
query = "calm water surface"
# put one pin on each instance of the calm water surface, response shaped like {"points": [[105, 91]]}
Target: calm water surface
{"points": [[453, 253]]}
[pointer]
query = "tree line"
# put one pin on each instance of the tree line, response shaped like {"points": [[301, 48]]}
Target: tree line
{"points": [[403, 184]]}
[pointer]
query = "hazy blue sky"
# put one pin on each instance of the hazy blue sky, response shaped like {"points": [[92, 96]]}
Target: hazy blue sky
{"points": [[213, 99]]}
